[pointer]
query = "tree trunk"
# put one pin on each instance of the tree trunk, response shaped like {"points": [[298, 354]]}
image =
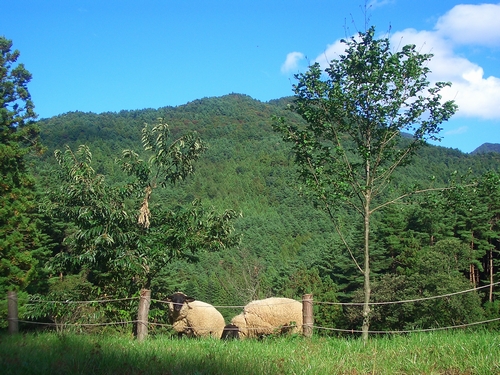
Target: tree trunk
{"points": [[474, 280], [491, 276], [472, 275], [367, 287]]}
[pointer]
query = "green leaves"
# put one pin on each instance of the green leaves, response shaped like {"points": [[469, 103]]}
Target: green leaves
{"points": [[115, 233], [102, 222], [173, 160], [356, 111]]}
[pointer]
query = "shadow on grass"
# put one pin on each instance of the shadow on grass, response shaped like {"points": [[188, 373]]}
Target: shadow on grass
{"points": [[83, 354], [457, 352]]}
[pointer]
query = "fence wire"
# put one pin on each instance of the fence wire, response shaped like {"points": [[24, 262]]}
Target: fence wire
{"points": [[408, 300], [465, 325], [68, 302], [352, 331]]}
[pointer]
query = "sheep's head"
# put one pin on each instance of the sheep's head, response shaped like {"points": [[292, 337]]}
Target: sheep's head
{"points": [[177, 301]]}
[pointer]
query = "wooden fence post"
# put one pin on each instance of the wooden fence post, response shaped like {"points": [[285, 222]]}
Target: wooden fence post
{"points": [[12, 312], [307, 315], [142, 314]]}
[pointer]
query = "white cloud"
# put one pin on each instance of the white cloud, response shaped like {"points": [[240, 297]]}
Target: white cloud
{"points": [[333, 51], [460, 130], [475, 95], [471, 24], [475, 25], [292, 62], [378, 3]]}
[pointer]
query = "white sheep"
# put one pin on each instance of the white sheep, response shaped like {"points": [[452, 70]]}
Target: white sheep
{"points": [[194, 318], [264, 317]]}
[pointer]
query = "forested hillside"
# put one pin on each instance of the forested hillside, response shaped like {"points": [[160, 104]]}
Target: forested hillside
{"points": [[487, 147], [427, 246]]}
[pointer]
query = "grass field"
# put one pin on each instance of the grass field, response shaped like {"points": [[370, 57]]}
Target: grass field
{"points": [[456, 352]]}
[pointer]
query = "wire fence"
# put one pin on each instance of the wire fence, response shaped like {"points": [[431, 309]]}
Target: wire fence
{"points": [[466, 325], [410, 300], [329, 329], [84, 302]]}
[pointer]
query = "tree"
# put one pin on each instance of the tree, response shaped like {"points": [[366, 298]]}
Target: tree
{"points": [[22, 242], [353, 140], [115, 234]]}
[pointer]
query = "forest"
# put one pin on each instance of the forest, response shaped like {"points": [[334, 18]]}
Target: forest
{"points": [[224, 218]]}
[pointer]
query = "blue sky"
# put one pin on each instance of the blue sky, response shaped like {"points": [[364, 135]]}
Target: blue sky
{"points": [[104, 55]]}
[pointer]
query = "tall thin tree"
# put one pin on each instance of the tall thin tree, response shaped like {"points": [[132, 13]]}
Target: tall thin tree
{"points": [[355, 113]]}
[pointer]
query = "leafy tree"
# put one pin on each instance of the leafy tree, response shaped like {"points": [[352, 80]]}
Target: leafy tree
{"points": [[352, 140], [116, 236], [474, 215], [439, 270], [22, 242], [57, 305], [477, 214]]}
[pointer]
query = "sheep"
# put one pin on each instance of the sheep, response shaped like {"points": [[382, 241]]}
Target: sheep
{"points": [[194, 318], [264, 317]]}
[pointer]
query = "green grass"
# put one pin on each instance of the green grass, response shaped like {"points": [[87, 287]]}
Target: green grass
{"points": [[449, 353]]}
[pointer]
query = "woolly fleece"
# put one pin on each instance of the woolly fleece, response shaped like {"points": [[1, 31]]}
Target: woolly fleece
{"points": [[270, 315], [198, 319]]}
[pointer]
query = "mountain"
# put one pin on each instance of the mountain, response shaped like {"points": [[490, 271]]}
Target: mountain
{"points": [[486, 148], [238, 129], [247, 168]]}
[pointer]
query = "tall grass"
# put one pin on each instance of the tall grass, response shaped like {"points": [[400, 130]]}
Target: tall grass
{"points": [[450, 353]]}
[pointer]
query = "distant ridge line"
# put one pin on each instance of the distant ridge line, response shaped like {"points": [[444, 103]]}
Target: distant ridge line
{"points": [[486, 148]]}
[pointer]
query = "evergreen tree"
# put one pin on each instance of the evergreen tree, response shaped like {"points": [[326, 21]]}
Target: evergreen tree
{"points": [[22, 243], [470, 222], [488, 191]]}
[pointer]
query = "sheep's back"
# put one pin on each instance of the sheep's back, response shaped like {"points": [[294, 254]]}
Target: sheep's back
{"points": [[204, 319], [268, 315]]}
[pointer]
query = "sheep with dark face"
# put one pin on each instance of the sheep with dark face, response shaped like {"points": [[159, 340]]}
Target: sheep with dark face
{"points": [[265, 317], [194, 318]]}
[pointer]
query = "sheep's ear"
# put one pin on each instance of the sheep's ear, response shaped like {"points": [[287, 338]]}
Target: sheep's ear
{"points": [[168, 299], [190, 299]]}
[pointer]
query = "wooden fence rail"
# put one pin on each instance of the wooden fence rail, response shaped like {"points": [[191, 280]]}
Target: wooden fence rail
{"points": [[307, 315], [142, 314]]}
